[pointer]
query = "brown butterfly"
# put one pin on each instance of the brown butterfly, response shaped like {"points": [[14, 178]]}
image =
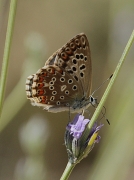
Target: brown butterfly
{"points": [[64, 83]]}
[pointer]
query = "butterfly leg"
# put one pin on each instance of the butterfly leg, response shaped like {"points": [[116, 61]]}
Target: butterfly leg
{"points": [[69, 114], [82, 112]]}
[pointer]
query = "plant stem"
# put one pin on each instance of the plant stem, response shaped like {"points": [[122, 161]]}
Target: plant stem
{"points": [[67, 171], [116, 72], [107, 91], [8, 40], [69, 166]]}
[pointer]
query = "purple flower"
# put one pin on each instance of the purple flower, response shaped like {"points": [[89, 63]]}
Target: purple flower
{"points": [[79, 143], [77, 127]]}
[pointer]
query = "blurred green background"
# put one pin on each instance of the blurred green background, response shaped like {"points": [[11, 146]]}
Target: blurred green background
{"points": [[41, 27]]}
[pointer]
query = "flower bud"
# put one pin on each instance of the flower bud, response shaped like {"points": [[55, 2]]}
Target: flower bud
{"points": [[76, 144]]}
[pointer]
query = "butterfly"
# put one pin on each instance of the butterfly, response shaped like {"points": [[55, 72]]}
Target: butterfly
{"points": [[64, 82]]}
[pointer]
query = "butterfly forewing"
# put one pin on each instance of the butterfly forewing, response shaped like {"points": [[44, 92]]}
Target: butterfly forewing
{"points": [[65, 79], [74, 58]]}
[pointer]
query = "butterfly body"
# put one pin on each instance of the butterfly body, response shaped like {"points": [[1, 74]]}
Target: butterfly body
{"points": [[64, 83]]}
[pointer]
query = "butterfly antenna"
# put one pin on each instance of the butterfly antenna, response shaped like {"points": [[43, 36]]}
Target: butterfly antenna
{"points": [[102, 84], [108, 121], [103, 115]]}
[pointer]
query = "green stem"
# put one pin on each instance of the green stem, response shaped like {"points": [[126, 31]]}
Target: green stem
{"points": [[69, 166], [8, 40], [67, 171], [106, 93]]}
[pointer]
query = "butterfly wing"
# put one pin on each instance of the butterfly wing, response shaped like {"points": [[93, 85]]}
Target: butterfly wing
{"points": [[75, 58], [52, 88], [65, 78]]}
